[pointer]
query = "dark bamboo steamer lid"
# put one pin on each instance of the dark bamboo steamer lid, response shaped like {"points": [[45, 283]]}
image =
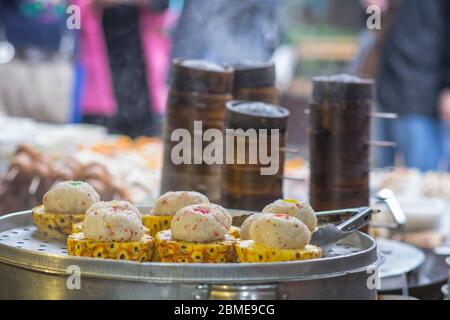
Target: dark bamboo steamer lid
{"points": [[338, 150], [201, 76], [338, 192], [255, 115], [342, 88], [194, 169], [336, 118], [251, 183], [255, 81], [338, 198], [257, 165], [197, 100], [339, 182], [254, 74], [183, 110], [341, 173], [340, 170], [264, 94]]}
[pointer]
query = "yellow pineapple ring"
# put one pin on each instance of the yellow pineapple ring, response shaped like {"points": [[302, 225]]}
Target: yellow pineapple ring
{"points": [[156, 223], [55, 225], [141, 251], [249, 251], [169, 250], [77, 227], [235, 232]]}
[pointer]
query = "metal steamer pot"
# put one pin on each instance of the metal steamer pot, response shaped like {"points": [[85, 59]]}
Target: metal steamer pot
{"points": [[35, 267]]}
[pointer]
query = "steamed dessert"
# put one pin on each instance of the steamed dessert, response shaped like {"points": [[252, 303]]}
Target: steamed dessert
{"points": [[198, 233], [112, 230], [280, 231], [294, 208], [167, 206], [245, 227], [113, 221], [275, 238], [300, 210], [64, 205]]}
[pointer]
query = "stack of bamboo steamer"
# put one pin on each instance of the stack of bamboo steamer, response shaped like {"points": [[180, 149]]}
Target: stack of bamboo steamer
{"points": [[243, 185], [255, 81], [199, 91], [339, 142]]}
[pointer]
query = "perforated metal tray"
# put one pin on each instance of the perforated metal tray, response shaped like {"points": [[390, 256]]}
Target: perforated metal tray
{"points": [[21, 245]]}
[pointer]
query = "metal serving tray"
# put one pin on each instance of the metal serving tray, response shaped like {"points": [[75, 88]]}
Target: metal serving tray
{"points": [[23, 246]]}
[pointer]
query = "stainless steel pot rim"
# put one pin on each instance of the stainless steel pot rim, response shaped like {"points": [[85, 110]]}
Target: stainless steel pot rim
{"points": [[366, 258]]}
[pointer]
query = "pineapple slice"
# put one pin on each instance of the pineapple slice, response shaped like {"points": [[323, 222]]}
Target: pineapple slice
{"points": [[77, 227], [141, 251], [235, 232], [156, 223], [168, 250], [55, 225], [249, 251]]}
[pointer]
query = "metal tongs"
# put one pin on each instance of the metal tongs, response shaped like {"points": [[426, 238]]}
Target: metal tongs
{"points": [[326, 237]]}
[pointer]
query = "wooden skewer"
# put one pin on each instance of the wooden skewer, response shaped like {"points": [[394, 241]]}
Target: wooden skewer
{"points": [[383, 144], [12, 174], [385, 169], [391, 226], [34, 185], [293, 178], [384, 115], [289, 150]]}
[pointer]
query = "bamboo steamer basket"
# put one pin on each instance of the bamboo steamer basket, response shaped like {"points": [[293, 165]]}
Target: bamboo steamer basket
{"points": [[243, 186], [198, 92], [340, 112], [255, 81]]}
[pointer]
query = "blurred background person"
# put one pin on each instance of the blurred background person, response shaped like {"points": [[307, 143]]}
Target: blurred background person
{"points": [[371, 42], [123, 57], [35, 64], [228, 30], [413, 82]]}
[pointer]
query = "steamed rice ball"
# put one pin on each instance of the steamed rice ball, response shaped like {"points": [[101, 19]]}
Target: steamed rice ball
{"points": [[113, 221], [169, 203], [301, 210], [279, 231], [70, 197], [245, 227], [200, 223]]}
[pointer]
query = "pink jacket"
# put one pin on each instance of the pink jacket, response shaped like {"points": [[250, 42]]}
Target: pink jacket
{"points": [[98, 94]]}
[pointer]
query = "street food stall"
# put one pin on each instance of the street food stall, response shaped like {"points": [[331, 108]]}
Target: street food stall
{"points": [[135, 222]]}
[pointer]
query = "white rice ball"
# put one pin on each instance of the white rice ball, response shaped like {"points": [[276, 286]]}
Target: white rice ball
{"points": [[200, 223], [70, 197], [170, 202], [301, 210], [113, 221], [279, 231]]}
